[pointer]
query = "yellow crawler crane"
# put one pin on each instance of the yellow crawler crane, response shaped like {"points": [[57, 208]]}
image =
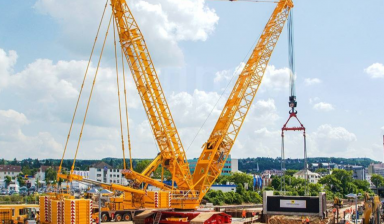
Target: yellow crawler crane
{"points": [[190, 189]]}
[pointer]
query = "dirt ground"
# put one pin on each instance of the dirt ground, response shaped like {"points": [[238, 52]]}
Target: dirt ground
{"points": [[281, 219]]}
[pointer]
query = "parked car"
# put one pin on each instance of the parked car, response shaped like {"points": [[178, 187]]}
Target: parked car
{"points": [[12, 192], [4, 192]]}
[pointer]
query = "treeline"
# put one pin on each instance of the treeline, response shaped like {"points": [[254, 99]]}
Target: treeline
{"points": [[250, 164]]}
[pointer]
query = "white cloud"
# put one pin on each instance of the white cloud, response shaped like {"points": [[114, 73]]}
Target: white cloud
{"points": [[227, 75], [7, 61], [222, 75], [313, 100], [275, 79], [309, 81], [263, 113], [15, 144], [54, 88], [376, 70], [323, 107], [163, 23], [328, 139]]}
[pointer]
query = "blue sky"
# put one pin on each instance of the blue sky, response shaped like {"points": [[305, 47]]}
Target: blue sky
{"points": [[196, 47]]}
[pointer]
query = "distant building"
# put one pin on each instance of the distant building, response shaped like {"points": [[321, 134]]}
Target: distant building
{"points": [[230, 166], [9, 170], [358, 171], [312, 177], [267, 179], [224, 188], [376, 169], [273, 173], [41, 173], [105, 173], [329, 166]]}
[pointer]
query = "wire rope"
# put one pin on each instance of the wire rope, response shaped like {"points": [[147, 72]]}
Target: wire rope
{"points": [[118, 97], [82, 86], [126, 110], [90, 96]]}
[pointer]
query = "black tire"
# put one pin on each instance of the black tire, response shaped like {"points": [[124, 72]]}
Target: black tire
{"points": [[104, 217], [127, 217], [118, 218]]}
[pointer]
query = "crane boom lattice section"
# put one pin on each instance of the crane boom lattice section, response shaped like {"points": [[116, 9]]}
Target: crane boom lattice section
{"points": [[223, 136], [151, 94]]}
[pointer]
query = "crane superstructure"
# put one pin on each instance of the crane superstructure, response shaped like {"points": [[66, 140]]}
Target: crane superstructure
{"points": [[190, 188]]}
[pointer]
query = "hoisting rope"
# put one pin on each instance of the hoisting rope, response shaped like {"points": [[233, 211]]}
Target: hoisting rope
{"points": [[126, 111], [118, 95], [291, 54], [82, 86], [90, 96]]}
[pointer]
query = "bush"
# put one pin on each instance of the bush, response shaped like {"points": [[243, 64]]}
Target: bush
{"points": [[237, 199], [256, 198]]}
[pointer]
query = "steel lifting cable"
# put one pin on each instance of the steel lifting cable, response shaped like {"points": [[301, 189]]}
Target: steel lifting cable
{"points": [[90, 95], [118, 96], [126, 112], [291, 54], [82, 86]]}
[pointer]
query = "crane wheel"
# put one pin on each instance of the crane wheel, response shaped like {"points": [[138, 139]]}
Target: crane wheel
{"points": [[118, 218], [126, 217], [104, 218]]}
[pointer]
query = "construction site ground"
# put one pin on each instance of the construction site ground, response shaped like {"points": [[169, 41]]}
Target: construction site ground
{"points": [[282, 219]]}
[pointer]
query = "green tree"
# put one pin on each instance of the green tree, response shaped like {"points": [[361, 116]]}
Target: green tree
{"points": [[14, 162], [276, 183], [290, 172], [8, 180], [26, 170], [36, 163], [331, 183], [321, 170], [21, 181], [363, 185], [377, 180], [140, 166], [50, 175]]}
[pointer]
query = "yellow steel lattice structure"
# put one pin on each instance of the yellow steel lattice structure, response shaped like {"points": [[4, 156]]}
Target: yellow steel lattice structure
{"points": [[151, 94], [223, 136]]}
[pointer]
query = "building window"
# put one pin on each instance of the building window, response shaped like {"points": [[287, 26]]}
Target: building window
{"points": [[98, 175], [110, 175], [117, 175], [98, 170]]}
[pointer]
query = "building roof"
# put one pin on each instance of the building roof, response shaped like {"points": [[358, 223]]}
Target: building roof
{"points": [[302, 172], [378, 165], [10, 168], [101, 165], [44, 168]]}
